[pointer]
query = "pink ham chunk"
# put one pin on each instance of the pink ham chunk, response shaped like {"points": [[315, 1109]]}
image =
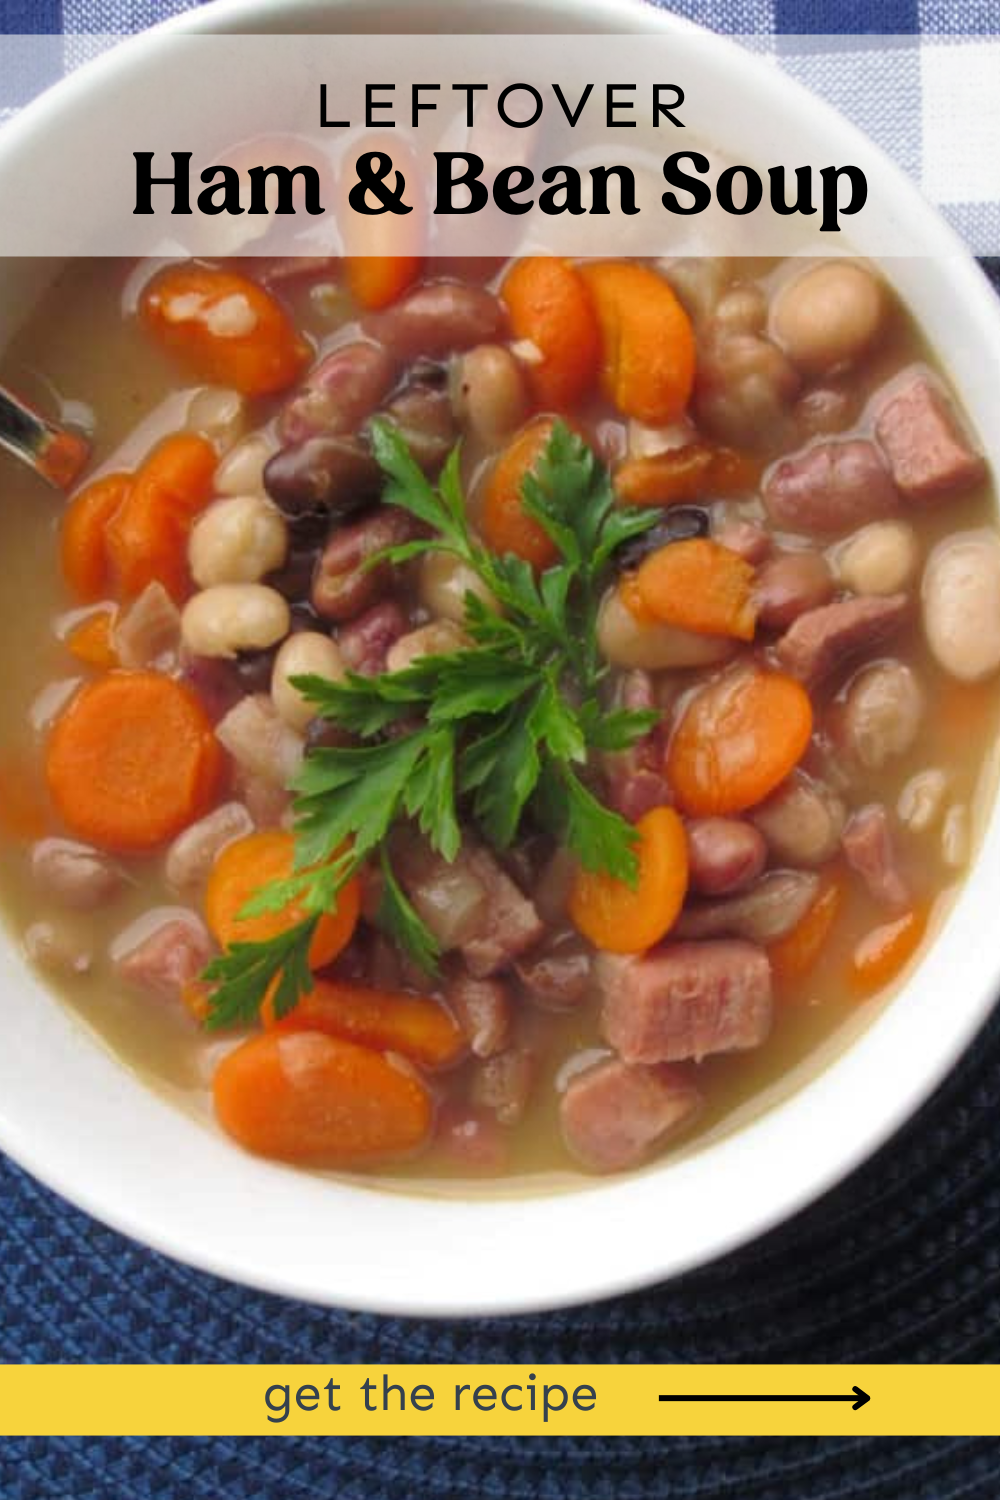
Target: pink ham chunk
{"points": [[823, 640], [871, 851], [166, 958], [613, 1115], [686, 1000], [928, 453]]}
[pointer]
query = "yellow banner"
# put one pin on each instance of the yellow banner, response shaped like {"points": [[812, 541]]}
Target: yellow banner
{"points": [[484, 1400]]}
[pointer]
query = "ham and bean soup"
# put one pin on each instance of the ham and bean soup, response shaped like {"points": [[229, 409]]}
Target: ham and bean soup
{"points": [[482, 719]]}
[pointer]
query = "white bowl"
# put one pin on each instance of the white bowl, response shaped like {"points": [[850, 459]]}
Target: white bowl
{"points": [[80, 1121]]}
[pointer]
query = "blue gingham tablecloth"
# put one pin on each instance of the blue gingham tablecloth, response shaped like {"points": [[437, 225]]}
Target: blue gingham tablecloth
{"points": [[901, 1263]]}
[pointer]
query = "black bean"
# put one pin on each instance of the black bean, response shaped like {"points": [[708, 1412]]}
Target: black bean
{"points": [[679, 524], [336, 476]]}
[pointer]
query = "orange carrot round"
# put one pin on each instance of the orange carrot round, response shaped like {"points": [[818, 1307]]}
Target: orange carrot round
{"points": [[131, 761], [698, 585], [147, 537], [305, 1097], [421, 1029], [738, 739], [83, 542], [225, 328], [24, 809], [376, 281], [550, 306], [91, 641], [884, 952], [648, 347], [383, 253], [619, 919], [505, 525], [239, 873], [795, 954]]}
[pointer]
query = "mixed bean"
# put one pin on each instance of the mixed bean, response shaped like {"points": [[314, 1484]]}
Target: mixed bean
{"points": [[811, 622]]}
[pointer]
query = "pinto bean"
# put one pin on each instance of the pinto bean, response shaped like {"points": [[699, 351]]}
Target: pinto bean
{"points": [[882, 713], [336, 475], [75, 875], [365, 643], [788, 585], [744, 389], [826, 410], [424, 419], [488, 395], [724, 855], [344, 583], [766, 911], [922, 799], [802, 821], [961, 604], [437, 320], [339, 393], [829, 316], [830, 488]]}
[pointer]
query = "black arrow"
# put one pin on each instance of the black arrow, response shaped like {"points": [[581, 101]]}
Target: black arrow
{"points": [[857, 1399]]}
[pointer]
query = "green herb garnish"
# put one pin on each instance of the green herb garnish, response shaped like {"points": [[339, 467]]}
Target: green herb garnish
{"points": [[504, 728]]}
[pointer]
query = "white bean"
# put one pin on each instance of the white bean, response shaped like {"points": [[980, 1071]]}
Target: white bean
{"points": [[241, 472], [237, 540], [439, 638], [444, 582], [922, 798], [625, 641], [879, 559], [308, 653], [829, 316], [488, 395], [219, 414], [961, 604], [232, 617]]}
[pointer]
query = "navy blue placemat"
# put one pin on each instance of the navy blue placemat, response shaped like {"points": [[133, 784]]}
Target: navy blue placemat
{"points": [[901, 1263]]}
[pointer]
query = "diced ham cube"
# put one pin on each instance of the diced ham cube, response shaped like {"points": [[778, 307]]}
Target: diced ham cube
{"points": [[512, 924], [823, 640], [482, 1009], [473, 1140], [503, 1084], [556, 975], [870, 850], [686, 1000], [613, 1115], [162, 958], [927, 451]]}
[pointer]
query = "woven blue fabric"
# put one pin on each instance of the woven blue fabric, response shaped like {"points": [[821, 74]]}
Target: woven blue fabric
{"points": [[900, 1263]]}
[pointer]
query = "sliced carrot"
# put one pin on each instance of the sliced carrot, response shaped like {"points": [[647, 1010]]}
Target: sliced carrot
{"points": [[883, 952], [698, 585], [619, 919], [24, 811], [91, 641], [83, 542], [737, 740], [225, 328], [505, 525], [239, 873], [194, 998], [305, 1097], [421, 1029], [550, 306], [648, 347], [131, 761], [696, 471], [383, 253], [795, 954], [147, 537], [376, 281]]}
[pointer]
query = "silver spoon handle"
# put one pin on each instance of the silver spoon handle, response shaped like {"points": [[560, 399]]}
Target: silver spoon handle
{"points": [[53, 452]]}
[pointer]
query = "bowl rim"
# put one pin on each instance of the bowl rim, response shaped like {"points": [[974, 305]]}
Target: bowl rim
{"points": [[565, 1254]]}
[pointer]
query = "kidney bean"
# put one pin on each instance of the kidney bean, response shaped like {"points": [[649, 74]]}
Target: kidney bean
{"points": [[340, 392], [365, 642], [426, 424], [343, 584], [337, 475], [788, 585], [436, 320], [724, 855], [830, 488], [743, 390]]}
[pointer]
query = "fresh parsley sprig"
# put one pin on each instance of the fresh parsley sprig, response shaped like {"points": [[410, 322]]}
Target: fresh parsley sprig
{"points": [[502, 730]]}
